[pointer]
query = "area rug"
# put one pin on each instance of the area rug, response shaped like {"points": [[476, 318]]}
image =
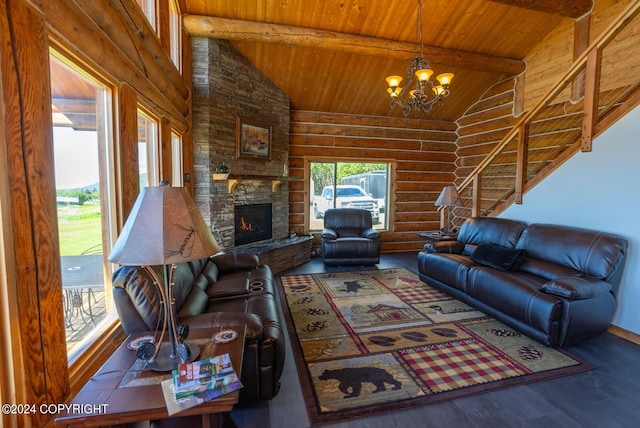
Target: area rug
{"points": [[380, 340]]}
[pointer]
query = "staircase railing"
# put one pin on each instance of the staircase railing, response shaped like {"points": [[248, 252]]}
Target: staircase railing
{"points": [[564, 122]]}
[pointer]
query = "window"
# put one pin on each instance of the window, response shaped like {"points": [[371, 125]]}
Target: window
{"points": [[149, 9], [82, 143], [175, 35], [148, 150], [176, 158], [354, 184]]}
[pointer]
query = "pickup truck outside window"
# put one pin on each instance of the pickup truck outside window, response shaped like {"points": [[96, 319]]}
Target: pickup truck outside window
{"points": [[348, 185]]}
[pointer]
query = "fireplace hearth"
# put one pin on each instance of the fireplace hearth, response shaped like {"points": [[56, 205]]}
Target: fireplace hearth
{"points": [[252, 223]]}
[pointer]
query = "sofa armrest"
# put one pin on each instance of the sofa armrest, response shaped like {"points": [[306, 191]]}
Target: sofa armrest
{"points": [[371, 233], [453, 247], [576, 287], [218, 320], [329, 234], [229, 262]]}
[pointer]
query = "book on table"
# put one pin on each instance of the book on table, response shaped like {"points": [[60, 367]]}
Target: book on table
{"points": [[199, 381]]}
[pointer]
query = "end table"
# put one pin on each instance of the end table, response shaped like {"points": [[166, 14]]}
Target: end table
{"points": [[124, 391]]}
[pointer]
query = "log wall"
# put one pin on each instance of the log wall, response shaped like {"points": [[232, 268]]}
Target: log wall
{"points": [[422, 153], [112, 41], [483, 126]]}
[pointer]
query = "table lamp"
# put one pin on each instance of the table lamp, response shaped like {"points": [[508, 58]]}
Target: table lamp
{"points": [[164, 228], [449, 198]]}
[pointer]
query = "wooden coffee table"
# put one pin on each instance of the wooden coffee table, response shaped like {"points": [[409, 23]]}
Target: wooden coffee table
{"points": [[123, 391]]}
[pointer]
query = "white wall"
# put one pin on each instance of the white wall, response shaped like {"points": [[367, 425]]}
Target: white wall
{"points": [[599, 190]]}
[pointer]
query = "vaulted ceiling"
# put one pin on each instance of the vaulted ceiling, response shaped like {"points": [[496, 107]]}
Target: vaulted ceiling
{"points": [[334, 55]]}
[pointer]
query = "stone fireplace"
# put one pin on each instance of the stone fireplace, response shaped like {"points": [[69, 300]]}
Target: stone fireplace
{"points": [[227, 86], [253, 223]]}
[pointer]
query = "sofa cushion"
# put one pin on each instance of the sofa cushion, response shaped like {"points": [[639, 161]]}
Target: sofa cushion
{"points": [[450, 269], [196, 303], [479, 230], [576, 288], [207, 276], [350, 248], [349, 233], [546, 270], [590, 252], [517, 295], [233, 262], [498, 257]]}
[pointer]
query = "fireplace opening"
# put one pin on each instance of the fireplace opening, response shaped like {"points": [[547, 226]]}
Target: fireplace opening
{"points": [[253, 223]]}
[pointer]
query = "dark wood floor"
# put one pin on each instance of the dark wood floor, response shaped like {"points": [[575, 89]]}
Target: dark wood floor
{"points": [[606, 397]]}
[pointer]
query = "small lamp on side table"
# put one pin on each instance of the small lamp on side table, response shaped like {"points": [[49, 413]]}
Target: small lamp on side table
{"points": [[164, 228], [449, 198]]}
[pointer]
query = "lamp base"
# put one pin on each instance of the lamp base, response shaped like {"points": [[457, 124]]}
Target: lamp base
{"points": [[165, 362]]}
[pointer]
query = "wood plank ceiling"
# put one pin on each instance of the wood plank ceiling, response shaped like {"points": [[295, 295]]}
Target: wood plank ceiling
{"points": [[333, 55]]}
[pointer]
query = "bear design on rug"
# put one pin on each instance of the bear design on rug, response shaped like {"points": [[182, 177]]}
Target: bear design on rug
{"points": [[352, 286], [351, 379]]}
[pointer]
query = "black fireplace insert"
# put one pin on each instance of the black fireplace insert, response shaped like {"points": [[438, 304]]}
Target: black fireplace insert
{"points": [[253, 223]]}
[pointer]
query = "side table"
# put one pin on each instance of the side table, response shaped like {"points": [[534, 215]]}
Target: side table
{"points": [[436, 236], [124, 391]]}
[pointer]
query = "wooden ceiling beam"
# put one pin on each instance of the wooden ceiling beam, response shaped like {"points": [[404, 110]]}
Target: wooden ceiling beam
{"points": [[248, 31], [569, 8]]}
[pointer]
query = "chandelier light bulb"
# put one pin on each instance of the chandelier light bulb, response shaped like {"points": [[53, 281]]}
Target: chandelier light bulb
{"points": [[393, 93], [445, 78], [424, 74], [394, 81]]}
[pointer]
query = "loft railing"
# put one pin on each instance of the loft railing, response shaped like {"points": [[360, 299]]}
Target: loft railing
{"points": [[564, 122]]}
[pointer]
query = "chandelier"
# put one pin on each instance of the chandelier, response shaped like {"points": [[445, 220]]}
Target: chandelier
{"points": [[426, 94]]}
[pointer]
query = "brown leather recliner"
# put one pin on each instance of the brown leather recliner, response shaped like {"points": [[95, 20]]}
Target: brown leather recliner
{"points": [[348, 238], [223, 290]]}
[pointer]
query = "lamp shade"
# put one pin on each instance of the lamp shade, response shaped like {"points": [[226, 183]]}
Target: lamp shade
{"points": [[393, 81], [449, 198], [445, 78], [424, 74], [164, 227]]}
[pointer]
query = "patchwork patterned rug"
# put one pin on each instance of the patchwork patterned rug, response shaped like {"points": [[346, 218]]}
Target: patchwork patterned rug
{"points": [[375, 341]]}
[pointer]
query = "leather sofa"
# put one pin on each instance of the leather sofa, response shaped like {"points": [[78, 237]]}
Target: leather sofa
{"points": [[555, 284], [222, 290], [349, 239]]}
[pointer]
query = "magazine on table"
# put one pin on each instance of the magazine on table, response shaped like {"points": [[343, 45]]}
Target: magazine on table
{"points": [[200, 381]]}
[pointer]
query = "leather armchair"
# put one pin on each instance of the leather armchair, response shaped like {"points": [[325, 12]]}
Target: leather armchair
{"points": [[348, 238]]}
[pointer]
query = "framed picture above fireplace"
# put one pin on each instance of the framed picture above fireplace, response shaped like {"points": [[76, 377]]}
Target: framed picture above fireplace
{"points": [[253, 139]]}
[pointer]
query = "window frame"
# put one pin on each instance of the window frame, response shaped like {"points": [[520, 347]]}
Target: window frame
{"points": [[387, 225], [175, 34], [153, 153], [108, 190], [150, 10], [177, 161]]}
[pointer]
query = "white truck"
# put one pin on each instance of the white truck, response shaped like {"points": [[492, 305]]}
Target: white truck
{"points": [[348, 196]]}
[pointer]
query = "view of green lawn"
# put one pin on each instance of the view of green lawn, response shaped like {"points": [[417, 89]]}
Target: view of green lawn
{"points": [[80, 228]]}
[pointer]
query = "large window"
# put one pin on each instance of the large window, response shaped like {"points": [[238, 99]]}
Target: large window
{"points": [[82, 143], [349, 185]]}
